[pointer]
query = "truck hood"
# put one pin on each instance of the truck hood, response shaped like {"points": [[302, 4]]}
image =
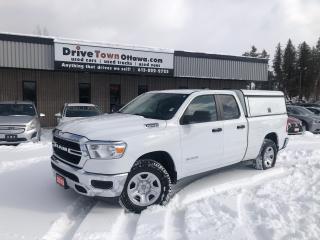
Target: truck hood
{"points": [[111, 127], [15, 120], [68, 119]]}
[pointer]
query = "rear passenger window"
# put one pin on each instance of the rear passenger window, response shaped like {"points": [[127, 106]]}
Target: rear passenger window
{"points": [[230, 108], [201, 109]]}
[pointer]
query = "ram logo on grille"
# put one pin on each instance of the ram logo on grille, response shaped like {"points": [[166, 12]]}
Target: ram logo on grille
{"points": [[60, 147]]}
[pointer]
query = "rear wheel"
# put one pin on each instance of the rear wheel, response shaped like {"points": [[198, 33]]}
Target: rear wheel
{"points": [[148, 183], [267, 156]]}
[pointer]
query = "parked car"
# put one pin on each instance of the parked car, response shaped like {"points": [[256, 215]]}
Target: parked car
{"points": [[294, 126], [19, 122], [315, 110], [309, 105], [73, 111], [164, 136], [310, 121]]}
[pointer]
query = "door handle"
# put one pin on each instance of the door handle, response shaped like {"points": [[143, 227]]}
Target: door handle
{"points": [[216, 130], [241, 126]]}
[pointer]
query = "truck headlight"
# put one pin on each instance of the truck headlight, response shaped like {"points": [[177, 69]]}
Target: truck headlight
{"points": [[30, 126], [106, 150]]}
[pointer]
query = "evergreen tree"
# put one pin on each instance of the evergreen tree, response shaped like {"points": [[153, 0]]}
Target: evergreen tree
{"points": [[264, 54], [289, 70], [304, 73], [253, 52], [277, 67], [316, 69]]}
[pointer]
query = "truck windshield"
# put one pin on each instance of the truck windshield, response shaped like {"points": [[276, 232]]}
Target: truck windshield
{"points": [[161, 106], [17, 109], [82, 111]]}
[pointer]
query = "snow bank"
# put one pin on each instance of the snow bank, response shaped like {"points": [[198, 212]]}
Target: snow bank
{"points": [[285, 207], [16, 157]]}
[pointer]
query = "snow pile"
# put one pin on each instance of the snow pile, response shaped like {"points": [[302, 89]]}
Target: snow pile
{"points": [[16, 157]]}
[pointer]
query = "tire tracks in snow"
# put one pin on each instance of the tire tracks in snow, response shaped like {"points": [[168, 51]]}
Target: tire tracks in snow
{"points": [[160, 222], [64, 227], [125, 226], [107, 221]]}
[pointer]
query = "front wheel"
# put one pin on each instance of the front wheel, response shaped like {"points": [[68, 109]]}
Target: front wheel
{"points": [[148, 183], [267, 156]]}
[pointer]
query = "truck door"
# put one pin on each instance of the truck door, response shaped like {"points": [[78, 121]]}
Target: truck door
{"points": [[201, 136], [235, 129]]}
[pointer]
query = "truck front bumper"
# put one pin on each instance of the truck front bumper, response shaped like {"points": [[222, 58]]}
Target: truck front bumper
{"points": [[89, 184], [25, 136]]}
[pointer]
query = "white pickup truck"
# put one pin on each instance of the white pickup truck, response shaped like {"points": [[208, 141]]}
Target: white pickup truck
{"points": [[161, 137]]}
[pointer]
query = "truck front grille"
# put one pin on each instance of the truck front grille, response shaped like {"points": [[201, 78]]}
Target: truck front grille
{"points": [[7, 129], [67, 150]]}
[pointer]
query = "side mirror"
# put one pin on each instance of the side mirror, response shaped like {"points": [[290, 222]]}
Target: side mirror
{"points": [[58, 115], [42, 115]]}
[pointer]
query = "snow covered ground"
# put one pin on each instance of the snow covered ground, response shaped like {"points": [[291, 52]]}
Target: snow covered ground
{"points": [[236, 202]]}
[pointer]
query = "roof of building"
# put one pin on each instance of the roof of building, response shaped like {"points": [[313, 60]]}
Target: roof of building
{"points": [[220, 56], [50, 40]]}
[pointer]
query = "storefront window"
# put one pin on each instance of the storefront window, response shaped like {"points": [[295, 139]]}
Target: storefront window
{"points": [[115, 97], [142, 89], [84, 93], [30, 91]]}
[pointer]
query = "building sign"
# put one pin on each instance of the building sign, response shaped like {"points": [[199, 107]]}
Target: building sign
{"points": [[115, 60]]}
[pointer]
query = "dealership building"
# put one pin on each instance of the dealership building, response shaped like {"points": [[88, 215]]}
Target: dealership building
{"points": [[52, 71]]}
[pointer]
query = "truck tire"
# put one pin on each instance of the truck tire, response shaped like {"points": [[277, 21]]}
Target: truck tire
{"points": [[267, 156], [148, 183]]}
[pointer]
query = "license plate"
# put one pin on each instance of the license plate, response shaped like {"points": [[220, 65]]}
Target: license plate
{"points": [[10, 137], [61, 181], [296, 129]]}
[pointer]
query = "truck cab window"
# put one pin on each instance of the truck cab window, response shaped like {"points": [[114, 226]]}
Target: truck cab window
{"points": [[230, 108], [162, 106], [201, 109]]}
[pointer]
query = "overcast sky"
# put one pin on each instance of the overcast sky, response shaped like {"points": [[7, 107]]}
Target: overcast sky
{"points": [[214, 26]]}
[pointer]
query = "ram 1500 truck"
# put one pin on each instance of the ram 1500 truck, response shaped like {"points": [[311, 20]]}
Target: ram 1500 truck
{"points": [[161, 137]]}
